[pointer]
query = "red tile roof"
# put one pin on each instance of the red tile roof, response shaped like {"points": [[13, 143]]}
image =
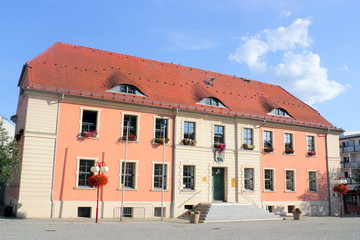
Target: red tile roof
{"points": [[78, 70]]}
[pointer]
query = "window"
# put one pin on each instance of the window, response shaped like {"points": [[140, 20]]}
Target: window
{"points": [[129, 174], [290, 182], [211, 101], [268, 143], [290, 208], [310, 143], [84, 172], [127, 89], [84, 212], [280, 112], [89, 121], [158, 176], [161, 128], [189, 130], [249, 179], [128, 212], [288, 140], [131, 122], [269, 180], [312, 181], [248, 136], [270, 208], [219, 134], [157, 212], [189, 177]]}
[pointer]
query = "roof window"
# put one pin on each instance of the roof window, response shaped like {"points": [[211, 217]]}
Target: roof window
{"points": [[280, 112], [127, 89], [211, 101]]}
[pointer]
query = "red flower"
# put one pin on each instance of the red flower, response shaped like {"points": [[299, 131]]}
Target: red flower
{"points": [[341, 189], [98, 180]]}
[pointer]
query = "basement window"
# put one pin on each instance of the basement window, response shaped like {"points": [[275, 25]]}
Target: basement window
{"points": [[84, 212]]}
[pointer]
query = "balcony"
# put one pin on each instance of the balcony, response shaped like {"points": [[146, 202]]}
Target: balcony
{"points": [[350, 164], [349, 149]]}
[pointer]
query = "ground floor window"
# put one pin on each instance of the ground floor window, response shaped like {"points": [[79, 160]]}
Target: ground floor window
{"points": [[157, 212], [189, 177], [249, 178], [129, 174], [84, 172], [269, 179], [158, 181]]}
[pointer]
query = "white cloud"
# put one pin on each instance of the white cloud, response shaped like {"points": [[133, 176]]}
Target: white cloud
{"points": [[284, 13], [299, 70], [343, 68]]}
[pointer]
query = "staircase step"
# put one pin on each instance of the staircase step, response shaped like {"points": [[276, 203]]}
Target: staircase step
{"points": [[222, 212]]}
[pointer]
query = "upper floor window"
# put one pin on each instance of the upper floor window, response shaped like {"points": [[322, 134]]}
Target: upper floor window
{"points": [[288, 143], [290, 180], [128, 89], [269, 179], [211, 101], [280, 112], [129, 174], [219, 134], [268, 141], [159, 176], [189, 130], [130, 127], [310, 145], [161, 128], [89, 120], [248, 136], [312, 181]]}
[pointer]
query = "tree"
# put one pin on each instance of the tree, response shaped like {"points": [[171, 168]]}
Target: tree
{"points": [[357, 180], [9, 155]]}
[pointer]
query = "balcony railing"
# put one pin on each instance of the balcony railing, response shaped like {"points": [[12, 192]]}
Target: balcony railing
{"points": [[350, 164], [354, 148]]}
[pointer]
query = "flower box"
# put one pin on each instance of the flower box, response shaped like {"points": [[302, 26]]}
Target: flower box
{"points": [[131, 137], [88, 134], [289, 150], [188, 141], [268, 149], [248, 147], [220, 146], [296, 214], [194, 216], [161, 140], [311, 153]]}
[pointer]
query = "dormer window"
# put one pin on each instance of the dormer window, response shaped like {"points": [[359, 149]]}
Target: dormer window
{"points": [[211, 101], [127, 89], [280, 112]]}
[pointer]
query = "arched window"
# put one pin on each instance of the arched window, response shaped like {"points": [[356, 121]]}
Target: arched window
{"points": [[280, 112], [128, 89], [211, 101]]}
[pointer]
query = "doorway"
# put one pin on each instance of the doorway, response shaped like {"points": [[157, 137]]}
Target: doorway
{"points": [[218, 186]]}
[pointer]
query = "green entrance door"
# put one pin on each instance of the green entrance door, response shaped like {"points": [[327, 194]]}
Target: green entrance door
{"points": [[218, 184]]}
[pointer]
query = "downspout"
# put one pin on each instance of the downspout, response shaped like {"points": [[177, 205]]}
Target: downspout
{"points": [[327, 171], [172, 212], [54, 157], [237, 175]]}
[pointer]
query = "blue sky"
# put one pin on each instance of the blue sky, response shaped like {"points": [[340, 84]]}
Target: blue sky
{"points": [[309, 47]]}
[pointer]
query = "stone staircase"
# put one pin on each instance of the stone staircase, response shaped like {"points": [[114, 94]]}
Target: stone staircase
{"points": [[233, 212]]}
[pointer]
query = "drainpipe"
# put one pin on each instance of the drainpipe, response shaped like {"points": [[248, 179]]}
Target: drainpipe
{"points": [[327, 172], [237, 175], [54, 157], [174, 137]]}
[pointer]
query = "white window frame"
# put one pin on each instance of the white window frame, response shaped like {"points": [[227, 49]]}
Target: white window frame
{"points": [[82, 109], [167, 176], [135, 175], [137, 124], [182, 176], [273, 180], [272, 138], [77, 172], [253, 179], [306, 142], [294, 180], [252, 136], [316, 181], [168, 130]]}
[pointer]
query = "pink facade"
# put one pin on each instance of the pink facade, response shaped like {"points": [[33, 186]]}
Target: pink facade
{"points": [[106, 147], [300, 163]]}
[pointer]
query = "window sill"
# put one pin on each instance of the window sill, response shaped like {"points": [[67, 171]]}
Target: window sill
{"points": [[127, 189], [93, 138], [249, 190], [188, 190], [84, 188], [269, 191], [289, 191], [159, 190]]}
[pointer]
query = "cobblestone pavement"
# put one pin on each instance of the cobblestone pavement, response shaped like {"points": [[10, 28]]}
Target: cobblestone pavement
{"points": [[53, 229]]}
